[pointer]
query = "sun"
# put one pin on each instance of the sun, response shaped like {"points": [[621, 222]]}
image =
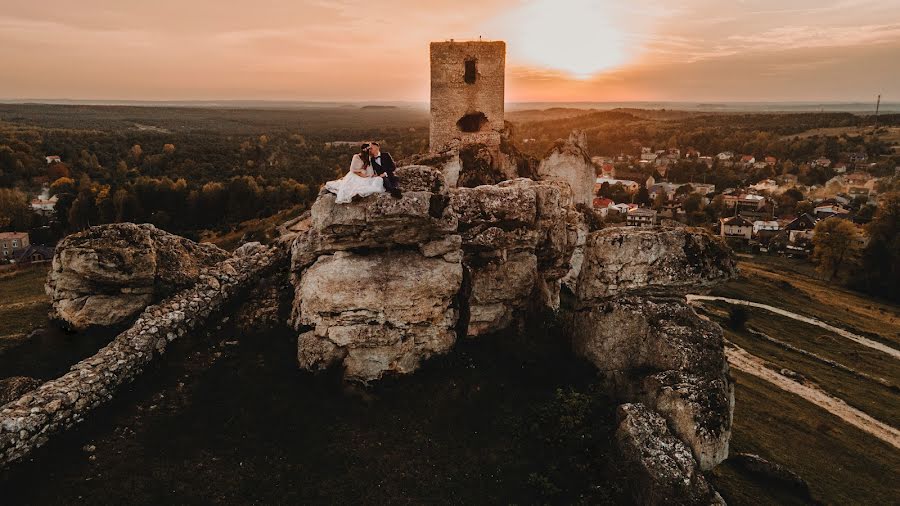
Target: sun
{"points": [[578, 37]]}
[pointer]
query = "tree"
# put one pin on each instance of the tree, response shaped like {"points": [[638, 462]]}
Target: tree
{"points": [[15, 213], [57, 170], [881, 256], [692, 203], [834, 245], [642, 197]]}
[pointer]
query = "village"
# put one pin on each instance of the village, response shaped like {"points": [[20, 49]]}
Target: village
{"points": [[776, 214]]}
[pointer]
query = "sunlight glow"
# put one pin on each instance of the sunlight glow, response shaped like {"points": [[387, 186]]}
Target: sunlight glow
{"points": [[578, 37]]}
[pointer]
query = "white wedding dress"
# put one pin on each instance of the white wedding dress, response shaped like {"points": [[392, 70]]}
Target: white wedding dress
{"points": [[353, 184]]}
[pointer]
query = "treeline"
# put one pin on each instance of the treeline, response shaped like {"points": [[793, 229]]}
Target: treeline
{"points": [[618, 131], [181, 169]]}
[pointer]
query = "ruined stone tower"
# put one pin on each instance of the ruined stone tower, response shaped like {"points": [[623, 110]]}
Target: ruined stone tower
{"points": [[467, 92]]}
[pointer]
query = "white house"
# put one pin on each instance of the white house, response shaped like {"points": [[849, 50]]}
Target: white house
{"points": [[735, 226], [760, 226], [629, 185]]}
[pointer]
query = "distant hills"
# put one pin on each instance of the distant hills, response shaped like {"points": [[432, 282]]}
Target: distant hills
{"points": [[853, 107]]}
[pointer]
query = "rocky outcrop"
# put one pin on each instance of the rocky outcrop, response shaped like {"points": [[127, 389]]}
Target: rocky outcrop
{"points": [[630, 319], [108, 274], [569, 162], [29, 421], [662, 469], [383, 283], [651, 261], [384, 311]]}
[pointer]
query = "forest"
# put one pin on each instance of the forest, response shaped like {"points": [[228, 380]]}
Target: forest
{"points": [[182, 169]]}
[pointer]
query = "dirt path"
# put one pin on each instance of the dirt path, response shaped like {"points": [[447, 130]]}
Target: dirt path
{"points": [[875, 345], [742, 360]]}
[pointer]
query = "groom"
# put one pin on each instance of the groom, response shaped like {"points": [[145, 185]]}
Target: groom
{"points": [[383, 165]]}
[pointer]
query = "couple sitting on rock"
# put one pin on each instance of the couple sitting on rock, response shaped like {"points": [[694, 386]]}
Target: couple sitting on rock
{"points": [[371, 171]]}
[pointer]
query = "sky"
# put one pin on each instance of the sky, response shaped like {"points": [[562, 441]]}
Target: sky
{"points": [[352, 50]]}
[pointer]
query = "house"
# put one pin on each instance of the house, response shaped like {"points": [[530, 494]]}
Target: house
{"points": [[760, 165], [665, 189], [857, 191], [830, 210], [857, 179], [768, 185], [789, 179], [804, 222], [840, 168], [33, 253], [648, 157], [52, 159], [703, 188], [602, 205], [692, 153], [858, 157], [640, 217], [620, 208], [725, 156], [747, 160], [736, 227], [608, 170], [771, 161], [765, 226], [44, 203], [11, 242], [822, 162], [629, 185]]}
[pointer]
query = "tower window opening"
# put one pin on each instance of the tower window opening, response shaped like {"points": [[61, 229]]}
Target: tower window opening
{"points": [[471, 71], [472, 122]]}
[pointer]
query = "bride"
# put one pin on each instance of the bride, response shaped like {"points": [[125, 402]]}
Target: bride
{"points": [[361, 180]]}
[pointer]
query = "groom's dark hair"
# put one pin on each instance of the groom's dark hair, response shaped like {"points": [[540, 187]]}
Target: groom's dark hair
{"points": [[375, 143]]}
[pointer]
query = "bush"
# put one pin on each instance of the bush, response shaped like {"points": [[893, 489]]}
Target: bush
{"points": [[737, 317]]}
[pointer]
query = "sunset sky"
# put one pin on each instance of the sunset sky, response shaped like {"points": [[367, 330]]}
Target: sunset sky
{"points": [[558, 50]]}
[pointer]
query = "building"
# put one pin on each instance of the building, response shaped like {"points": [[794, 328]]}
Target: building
{"points": [[803, 222], [640, 217], [765, 226], [748, 160], [33, 253], [771, 161], [826, 211], [822, 162], [768, 185], [52, 159], [840, 168], [725, 156], [629, 185], [858, 157], [736, 227], [44, 203], [12, 242], [467, 93]]}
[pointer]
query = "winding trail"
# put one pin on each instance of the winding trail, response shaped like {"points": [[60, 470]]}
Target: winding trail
{"points": [[751, 364], [869, 343]]}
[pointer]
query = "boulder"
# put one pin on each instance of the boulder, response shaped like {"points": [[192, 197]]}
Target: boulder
{"points": [[663, 354], [699, 407], [107, 274], [648, 261], [569, 162], [636, 334], [421, 178], [377, 312], [662, 469], [501, 290]]}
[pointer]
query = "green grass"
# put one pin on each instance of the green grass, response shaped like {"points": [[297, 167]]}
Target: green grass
{"points": [[792, 285], [24, 305], [876, 399], [841, 464]]}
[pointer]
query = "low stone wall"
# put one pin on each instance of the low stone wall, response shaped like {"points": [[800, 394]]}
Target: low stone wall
{"points": [[28, 422]]}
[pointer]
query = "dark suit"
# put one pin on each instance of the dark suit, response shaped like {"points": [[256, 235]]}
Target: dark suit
{"points": [[391, 182]]}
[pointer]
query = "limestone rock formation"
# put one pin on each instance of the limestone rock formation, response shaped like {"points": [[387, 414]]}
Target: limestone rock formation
{"points": [[107, 274], [652, 260], [662, 467], [568, 161], [630, 319], [384, 311], [434, 261]]}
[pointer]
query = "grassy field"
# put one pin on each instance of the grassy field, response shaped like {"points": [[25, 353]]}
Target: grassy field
{"points": [[840, 463], [792, 285], [24, 305]]}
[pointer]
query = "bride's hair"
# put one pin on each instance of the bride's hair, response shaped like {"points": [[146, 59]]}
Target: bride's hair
{"points": [[364, 154]]}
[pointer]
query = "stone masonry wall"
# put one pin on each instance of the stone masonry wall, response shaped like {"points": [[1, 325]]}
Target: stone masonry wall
{"points": [[452, 97], [28, 422]]}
